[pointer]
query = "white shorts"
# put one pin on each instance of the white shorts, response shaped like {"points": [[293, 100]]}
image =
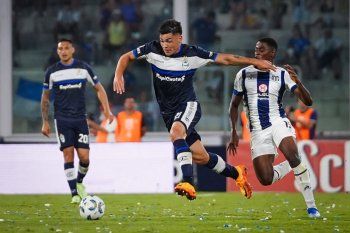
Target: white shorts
{"points": [[264, 142]]}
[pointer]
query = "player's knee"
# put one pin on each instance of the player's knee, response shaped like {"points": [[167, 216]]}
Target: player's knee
{"points": [[176, 132], [265, 179]]}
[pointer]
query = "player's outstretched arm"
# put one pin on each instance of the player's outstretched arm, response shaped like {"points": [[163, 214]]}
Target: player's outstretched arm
{"points": [[102, 96], [118, 82], [235, 60], [233, 144], [45, 106], [302, 93]]}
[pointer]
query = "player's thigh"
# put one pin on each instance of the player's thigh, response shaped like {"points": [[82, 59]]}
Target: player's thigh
{"points": [[199, 153], [81, 132], [261, 143], [281, 129], [189, 115], [65, 133], [289, 148]]}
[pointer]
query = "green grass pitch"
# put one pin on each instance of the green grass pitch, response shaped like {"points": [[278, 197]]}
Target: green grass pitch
{"points": [[211, 212]]}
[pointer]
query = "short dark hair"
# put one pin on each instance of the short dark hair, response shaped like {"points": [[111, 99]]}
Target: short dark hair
{"points": [[270, 42], [65, 40], [170, 26]]}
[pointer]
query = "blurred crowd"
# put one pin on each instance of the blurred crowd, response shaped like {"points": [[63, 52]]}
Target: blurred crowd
{"points": [[103, 29]]}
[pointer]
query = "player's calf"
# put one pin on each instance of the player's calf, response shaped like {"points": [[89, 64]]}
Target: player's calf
{"points": [[238, 173]]}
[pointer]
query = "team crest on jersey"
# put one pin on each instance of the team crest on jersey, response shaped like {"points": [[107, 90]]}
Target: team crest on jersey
{"points": [[263, 88], [62, 138], [185, 62]]}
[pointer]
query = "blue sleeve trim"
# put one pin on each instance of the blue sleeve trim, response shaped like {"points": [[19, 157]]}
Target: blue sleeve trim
{"points": [[135, 53], [215, 56], [239, 93], [293, 88]]}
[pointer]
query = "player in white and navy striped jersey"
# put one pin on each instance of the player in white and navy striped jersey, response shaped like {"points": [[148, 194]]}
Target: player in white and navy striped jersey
{"points": [[173, 65], [67, 80], [262, 92]]}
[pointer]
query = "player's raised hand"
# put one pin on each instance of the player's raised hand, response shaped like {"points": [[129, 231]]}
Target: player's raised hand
{"points": [[292, 73], [233, 145], [118, 84], [265, 65], [45, 130]]}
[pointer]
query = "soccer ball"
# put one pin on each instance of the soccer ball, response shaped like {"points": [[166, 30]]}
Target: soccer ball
{"points": [[92, 208]]}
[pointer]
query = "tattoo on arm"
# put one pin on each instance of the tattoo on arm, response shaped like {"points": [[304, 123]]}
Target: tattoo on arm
{"points": [[45, 105]]}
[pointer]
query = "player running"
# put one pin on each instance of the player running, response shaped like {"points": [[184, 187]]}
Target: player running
{"points": [[262, 92], [67, 78], [173, 65]]}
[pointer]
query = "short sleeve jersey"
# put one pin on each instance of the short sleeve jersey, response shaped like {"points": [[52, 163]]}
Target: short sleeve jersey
{"points": [[263, 93], [173, 75], [68, 83]]}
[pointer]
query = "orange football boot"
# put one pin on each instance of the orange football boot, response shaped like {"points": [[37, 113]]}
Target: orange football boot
{"points": [[186, 189], [242, 182]]}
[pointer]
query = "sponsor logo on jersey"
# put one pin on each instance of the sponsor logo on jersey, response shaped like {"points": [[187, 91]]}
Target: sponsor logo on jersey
{"points": [[170, 79], [70, 86], [262, 93], [275, 78]]}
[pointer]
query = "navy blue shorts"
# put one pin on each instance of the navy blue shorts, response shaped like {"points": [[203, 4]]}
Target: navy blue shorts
{"points": [[188, 114], [72, 132]]}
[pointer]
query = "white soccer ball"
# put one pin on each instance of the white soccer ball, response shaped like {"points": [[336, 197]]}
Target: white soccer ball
{"points": [[92, 208]]}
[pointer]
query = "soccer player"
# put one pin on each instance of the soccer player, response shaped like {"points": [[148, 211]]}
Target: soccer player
{"points": [[173, 65], [262, 92], [67, 78]]}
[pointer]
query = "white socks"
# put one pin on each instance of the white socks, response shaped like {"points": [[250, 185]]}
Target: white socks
{"points": [[280, 170], [302, 177]]}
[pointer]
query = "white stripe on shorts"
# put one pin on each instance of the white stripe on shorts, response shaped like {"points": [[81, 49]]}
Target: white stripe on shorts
{"points": [[58, 139], [189, 113]]}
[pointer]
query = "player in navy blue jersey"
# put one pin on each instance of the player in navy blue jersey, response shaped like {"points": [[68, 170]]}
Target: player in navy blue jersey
{"points": [[174, 64], [67, 80]]}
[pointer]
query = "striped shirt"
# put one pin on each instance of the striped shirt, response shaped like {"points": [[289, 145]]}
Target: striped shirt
{"points": [[68, 83], [263, 93], [173, 75]]}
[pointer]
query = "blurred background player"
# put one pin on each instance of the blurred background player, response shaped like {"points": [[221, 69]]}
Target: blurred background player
{"points": [[173, 65], [304, 119], [131, 125], [270, 128], [67, 78]]}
